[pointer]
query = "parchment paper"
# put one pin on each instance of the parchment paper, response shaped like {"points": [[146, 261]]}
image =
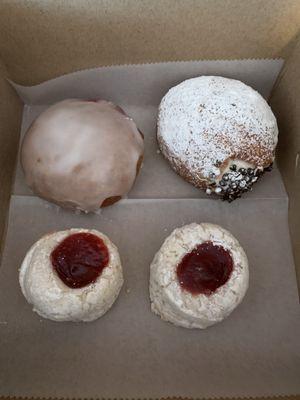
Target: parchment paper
{"points": [[130, 352], [139, 89]]}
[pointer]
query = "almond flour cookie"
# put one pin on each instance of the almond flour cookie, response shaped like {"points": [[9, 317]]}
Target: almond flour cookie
{"points": [[199, 276], [218, 134], [82, 154], [72, 275]]}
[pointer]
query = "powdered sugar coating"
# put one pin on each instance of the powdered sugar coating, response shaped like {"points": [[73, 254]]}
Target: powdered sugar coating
{"points": [[205, 122], [52, 299], [180, 307]]}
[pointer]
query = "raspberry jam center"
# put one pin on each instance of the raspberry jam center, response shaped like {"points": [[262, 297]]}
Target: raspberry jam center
{"points": [[80, 259], [205, 269]]}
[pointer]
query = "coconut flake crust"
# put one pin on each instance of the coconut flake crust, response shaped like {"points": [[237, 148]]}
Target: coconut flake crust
{"points": [[52, 299], [178, 306]]}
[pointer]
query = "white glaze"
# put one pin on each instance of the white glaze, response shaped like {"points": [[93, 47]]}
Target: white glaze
{"points": [[79, 153], [211, 119], [180, 307], [52, 299]]}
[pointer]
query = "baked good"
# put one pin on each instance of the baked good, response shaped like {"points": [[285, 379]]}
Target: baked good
{"points": [[198, 276], [72, 275], [218, 134], [82, 154]]}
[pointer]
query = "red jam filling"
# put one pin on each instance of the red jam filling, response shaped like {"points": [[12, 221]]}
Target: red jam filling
{"points": [[80, 259], [205, 269]]}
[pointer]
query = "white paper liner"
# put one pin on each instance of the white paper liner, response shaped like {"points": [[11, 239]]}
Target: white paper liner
{"points": [[130, 352]]}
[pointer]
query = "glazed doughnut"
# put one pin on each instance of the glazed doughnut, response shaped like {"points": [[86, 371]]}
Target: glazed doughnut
{"points": [[218, 134], [72, 275], [198, 277], [82, 154]]}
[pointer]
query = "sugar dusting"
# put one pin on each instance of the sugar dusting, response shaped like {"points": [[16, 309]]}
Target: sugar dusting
{"points": [[206, 121]]}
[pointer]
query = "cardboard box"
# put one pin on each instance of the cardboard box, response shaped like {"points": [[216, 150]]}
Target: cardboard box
{"points": [[42, 40]]}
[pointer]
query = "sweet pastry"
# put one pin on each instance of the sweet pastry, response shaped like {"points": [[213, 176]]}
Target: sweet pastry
{"points": [[72, 275], [218, 134], [82, 154], [198, 277]]}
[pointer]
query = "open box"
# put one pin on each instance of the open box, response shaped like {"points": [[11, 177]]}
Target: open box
{"points": [[40, 41]]}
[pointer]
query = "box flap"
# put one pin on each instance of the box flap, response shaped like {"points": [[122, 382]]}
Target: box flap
{"points": [[43, 39]]}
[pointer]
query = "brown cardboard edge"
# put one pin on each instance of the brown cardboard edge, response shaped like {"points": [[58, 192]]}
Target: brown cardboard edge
{"points": [[10, 122], [290, 397], [285, 103], [141, 32]]}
